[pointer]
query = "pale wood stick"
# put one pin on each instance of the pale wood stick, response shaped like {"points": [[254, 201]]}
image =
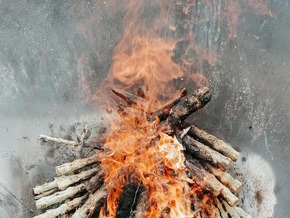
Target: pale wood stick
{"points": [[222, 212], [231, 211], [215, 143], [62, 209], [58, 196], [75, 165], [63, 182], [89, 207], [233, 184], [45, 187], [231, 199], [43, 194], [206, 153], [242, 213], [58, 140]]}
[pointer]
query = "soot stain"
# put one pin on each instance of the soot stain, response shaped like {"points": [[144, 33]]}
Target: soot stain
{"points": [[258, 197]]}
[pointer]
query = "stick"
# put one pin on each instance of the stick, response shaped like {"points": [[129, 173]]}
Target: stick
{"points": [[62, 209], [58, 140], [233, 184], [162, 113], [222, 212], [230, 210], [230, 198], [82, 139], [242, 213], [46, 193], [58, 196], [129, 98], [91, 204], [141, 205], [95, 182], [205, 153], [76, 164], [204, 179], [215, 143]]}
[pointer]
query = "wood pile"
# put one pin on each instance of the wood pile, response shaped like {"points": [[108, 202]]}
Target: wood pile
{"points": [[78, 190]]}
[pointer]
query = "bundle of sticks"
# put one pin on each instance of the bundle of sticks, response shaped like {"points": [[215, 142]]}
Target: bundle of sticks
{"points": [[78, 190]]}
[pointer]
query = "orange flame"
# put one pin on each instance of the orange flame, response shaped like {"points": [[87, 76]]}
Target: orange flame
{"points": [[136, 148]]}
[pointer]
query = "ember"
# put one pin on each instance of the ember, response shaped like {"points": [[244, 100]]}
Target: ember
{"points": [[153, 163]]}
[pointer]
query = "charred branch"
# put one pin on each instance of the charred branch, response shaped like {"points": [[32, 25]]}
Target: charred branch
{"points": [[128, 200], [162, 113], [93, 203], [129, 98]]}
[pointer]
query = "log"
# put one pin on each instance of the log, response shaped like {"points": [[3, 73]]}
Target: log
{"points": [[62, 209], [58, 140], [63, 182], [45, 194], [94, 201], [233, 184], [58, 196], [162, 113], [129, 98], [76, 164], [128, 200], [204, 179], [230, 198], [222, 212], [95, 182], [230, 210], [215, 143], [189, 105], [141, 207], [242, 213], [205, 153]]}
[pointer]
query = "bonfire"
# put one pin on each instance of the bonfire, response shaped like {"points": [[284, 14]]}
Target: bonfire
{"points": [[154, 162]]}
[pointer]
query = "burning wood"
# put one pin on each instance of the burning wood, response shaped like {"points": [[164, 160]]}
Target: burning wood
{"points": [[201, 166]]}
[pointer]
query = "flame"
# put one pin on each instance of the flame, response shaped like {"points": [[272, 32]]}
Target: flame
{"points": [[136, 149]]}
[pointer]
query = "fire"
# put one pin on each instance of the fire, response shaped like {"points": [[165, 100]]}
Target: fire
{"points": [[136, 149]]}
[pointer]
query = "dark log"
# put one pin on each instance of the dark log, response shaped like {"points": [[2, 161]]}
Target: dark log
{"points": [[205, 153], [95, 182], [128, 200], [162, 113]]}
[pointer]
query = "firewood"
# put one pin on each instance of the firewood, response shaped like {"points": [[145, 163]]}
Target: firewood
{"points": [[94, 201], [215, 143], [162, 113], [62, 209], [76, 164], [230, 210], [140, 211], [230, 198], [129, 98], [222, 212], [242, 213], [58, 140], [204, 179], [95, 182], [128, 200], [58, 196], [233, 184], [63, 182], [205, 153], [46, 193]]}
